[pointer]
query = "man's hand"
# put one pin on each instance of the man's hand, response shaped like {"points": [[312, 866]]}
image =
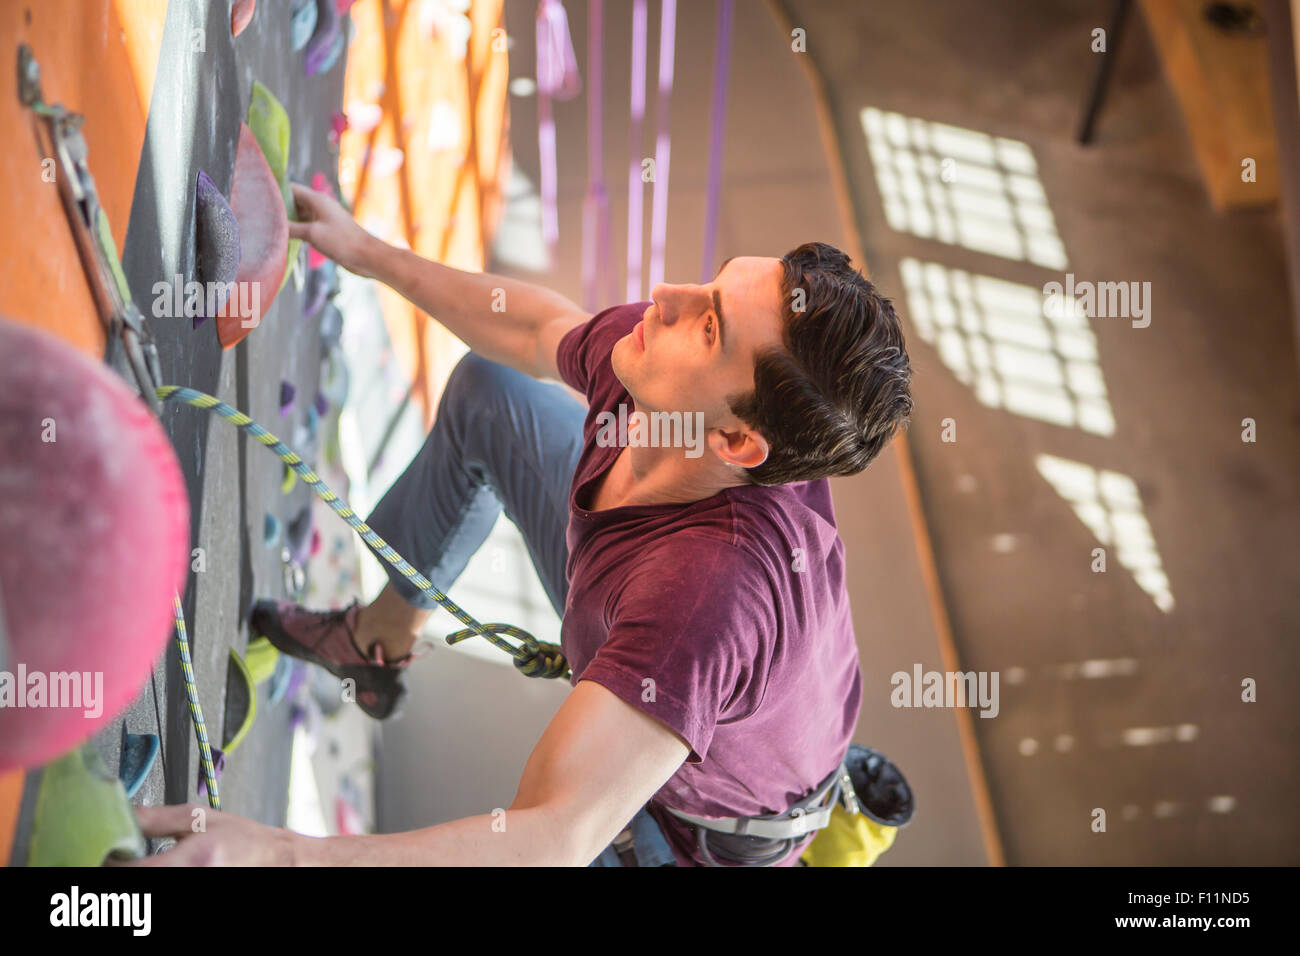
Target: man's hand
{"points": [[226, 840], [331, 230]]}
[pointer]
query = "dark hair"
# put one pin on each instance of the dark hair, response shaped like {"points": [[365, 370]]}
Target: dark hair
{"points": [[834, 395]]}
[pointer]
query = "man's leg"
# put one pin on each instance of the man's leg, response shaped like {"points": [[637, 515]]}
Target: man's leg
{"points": [[502, 439]]}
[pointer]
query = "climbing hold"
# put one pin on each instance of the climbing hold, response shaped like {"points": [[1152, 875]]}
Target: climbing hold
{"points": [[313, 420], [262, 659], [338, 126], [270, 531], [315, 542], [241, 703], [333, 53], [322, 39], [139, 751], [334, 376], [298, 536], [218, 765], [270, 125], [83, 816], [281, 678], [331, 325], [302, 23], [322, 404], [263, 239], [216, 241], [288, 481], [287, 392], [344, 6], [322, 282], [87, 471], [241, 13]]}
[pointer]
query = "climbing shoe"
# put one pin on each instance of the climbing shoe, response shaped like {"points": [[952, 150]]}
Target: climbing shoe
{"points": [[328, 638]]}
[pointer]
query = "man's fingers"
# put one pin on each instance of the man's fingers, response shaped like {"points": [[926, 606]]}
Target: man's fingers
{"points": [[300, 230], [172, 821]]}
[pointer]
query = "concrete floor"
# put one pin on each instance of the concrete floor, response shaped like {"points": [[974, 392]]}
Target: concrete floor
{"points": [[1160, 737]]}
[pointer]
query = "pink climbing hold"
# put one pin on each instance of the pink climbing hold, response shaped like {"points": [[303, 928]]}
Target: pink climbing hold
{"points": [[263, 240], [96, 526], [241, 14]]}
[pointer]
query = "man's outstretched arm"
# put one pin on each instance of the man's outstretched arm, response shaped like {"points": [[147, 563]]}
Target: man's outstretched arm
{"points": [[516, 323], [597, 763]]}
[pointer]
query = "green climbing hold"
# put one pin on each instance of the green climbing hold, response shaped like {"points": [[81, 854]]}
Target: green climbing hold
{"points": [[261, 658], [83, 816], [241, 703]]}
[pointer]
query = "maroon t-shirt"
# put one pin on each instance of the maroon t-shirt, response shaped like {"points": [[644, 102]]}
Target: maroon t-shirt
{"points": [[726, 619]]}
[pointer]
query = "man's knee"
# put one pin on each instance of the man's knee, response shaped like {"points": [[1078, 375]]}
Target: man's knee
{"points": [[475, 385]]}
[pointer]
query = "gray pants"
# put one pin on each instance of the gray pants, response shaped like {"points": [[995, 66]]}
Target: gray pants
{"points": [[501, 440]]}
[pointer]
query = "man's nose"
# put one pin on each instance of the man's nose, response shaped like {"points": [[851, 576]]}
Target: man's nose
{"points": [[673, 300]]}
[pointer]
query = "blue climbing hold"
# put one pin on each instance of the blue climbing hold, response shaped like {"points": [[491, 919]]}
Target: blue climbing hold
{"points": [[139, 751], [270, 531], [302, 23]]}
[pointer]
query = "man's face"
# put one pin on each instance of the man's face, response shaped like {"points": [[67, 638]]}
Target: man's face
{"points": [[696, 344]]}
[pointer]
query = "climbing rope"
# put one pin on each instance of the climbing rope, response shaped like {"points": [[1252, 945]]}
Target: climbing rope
{"points": [[196, 712], [533, 658]]}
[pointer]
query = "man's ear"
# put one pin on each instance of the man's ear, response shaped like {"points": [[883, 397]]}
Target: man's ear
{"points": [[743, 447]]}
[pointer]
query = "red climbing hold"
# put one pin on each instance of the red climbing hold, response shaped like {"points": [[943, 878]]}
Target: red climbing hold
{"points": [[263, 241], [96, 529], [241, 13]]}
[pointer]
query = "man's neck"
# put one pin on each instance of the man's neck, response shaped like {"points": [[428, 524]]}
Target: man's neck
{"points": [[662, 476]]}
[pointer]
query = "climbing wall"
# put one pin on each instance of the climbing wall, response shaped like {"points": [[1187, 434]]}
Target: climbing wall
{"points": [[164, 88]]}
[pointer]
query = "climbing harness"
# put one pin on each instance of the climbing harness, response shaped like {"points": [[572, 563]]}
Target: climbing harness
{"points": [[533, 658], [860, 805]]}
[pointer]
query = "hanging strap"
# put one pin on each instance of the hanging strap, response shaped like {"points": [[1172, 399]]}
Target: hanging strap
{"points": [[557, 77], [717, 128], [636, 117], [663, 143]]}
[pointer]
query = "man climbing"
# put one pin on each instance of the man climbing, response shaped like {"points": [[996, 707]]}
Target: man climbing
{"points": [[704, 608]]}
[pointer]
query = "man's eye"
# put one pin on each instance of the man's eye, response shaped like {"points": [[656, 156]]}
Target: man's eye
{"points": [[708, 328]]}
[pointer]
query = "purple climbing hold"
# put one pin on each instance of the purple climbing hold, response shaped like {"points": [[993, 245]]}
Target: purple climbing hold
{"points": [[218, 765], [322, 404], [322, 282], [216, 242], [298, 536], [287, 392], [321, 44]]}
